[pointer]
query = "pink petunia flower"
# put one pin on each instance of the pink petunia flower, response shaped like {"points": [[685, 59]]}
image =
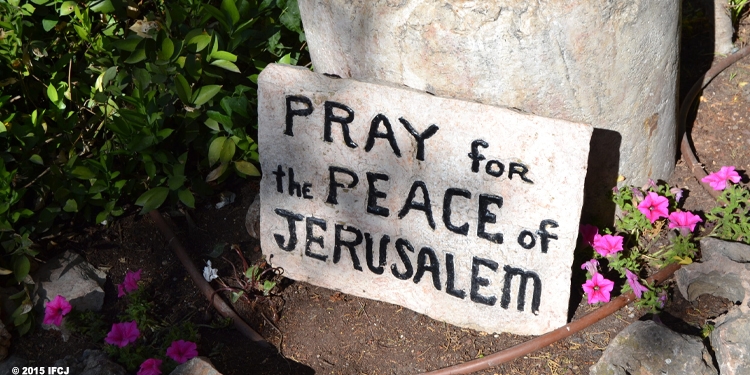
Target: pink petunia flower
{"points": [[718, 180], [123, 334], [588, 232], [607, 244], [638, 289], [591, 266], [130, 284], [598, 288], [182, 351], [120, 291], [55, 310], [654, 206], [684, 221], [150, 367]]}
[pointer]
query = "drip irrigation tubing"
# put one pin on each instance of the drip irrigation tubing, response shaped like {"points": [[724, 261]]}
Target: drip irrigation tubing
{"points": [[218, 303]]}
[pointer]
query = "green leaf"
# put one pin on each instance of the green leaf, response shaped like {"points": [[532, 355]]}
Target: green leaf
{"points": [[176, 182], [68, 7], [52, 93], [227, 151], [167, 49], [40, 2], [224, 55], [71, 206], [49, 22], [291, 17], [232, 105], [216, 173], [83, 173], [246, 168], [224, 64], [4, 271], [230, 8], [36, 159], [199, 41], [212, 124], [220, 118], [286, 59], [205, 94], [215, 150], [152, 199], [137, 56], [101, 6], [186, 197], [129, 44], [218, 15], [21, 267], [183, 89]]}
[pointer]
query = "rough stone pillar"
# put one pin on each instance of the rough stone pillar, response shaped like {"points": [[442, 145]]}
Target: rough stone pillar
{"points": [[611, 64]]}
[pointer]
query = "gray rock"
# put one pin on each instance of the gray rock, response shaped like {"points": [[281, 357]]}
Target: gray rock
{"points": [[730, 341], [69, 275], [92, 362], [11, 362], [723, 272], [650, 348], [582, 61], [196, 366], [252, 218]]}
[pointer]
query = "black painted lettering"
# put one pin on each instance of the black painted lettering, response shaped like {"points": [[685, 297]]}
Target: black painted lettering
{"points": [[294, 186], [450, 284], [279, 173], [447, 210], [333, 185], [290, 113], [433, 267], [306, 190], [494, 168], [381, 255], [526, 239], [475, 156], [330, 118], [338, 243], [373, 194], [510, 272], [311, 239], [546, 236], [374, 133], [519, 169], [402, 244], [477, 281], [420, 138], [291, 219], [424, 206], [485, 216]]}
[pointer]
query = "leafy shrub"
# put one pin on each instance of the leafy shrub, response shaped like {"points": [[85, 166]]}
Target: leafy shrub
{"points": [[108, 102]]}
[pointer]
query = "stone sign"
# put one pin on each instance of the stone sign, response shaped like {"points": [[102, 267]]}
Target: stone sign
{"points": [[465, 212]]}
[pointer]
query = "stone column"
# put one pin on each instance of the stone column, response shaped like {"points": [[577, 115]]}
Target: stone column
{"points": [[611, 64]]}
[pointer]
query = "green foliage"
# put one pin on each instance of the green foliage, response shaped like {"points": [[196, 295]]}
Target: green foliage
{"points": [[736, 9], [107, 103], [732, 215]]}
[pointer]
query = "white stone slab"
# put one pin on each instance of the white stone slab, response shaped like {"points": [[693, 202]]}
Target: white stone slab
{"points": [[463, 275]]}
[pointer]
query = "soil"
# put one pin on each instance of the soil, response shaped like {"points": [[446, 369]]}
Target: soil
{"points": [[320, 331]]}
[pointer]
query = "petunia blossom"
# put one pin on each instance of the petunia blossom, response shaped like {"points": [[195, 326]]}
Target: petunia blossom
{"points": [[607, 244], [123, 334], [182, 351], [588, 232], [684, 221], [591, 266], [150, 367], [598, 289], [130, 284], [637, 287], [718, 180], [654, 206], [55, 310], [677, 193]]}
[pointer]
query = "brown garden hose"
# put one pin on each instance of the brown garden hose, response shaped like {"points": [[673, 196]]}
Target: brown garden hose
{"points": [[537, 343], [221, 306]]}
